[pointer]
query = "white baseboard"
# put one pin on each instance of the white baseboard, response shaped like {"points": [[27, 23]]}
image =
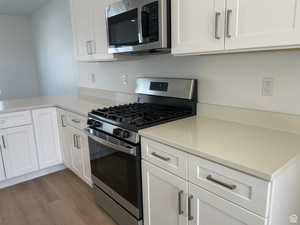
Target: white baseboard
{"points": [[31, 176]]}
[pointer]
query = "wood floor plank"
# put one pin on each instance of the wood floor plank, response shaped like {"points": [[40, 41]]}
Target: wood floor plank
{"points": [[56, 199]]}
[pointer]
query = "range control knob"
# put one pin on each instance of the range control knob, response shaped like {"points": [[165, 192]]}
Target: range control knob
{"points": [[97, 124], [121, 133], [90, 122]]}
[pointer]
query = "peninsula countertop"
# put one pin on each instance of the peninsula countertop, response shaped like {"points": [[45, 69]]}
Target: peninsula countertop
{"points": [[257, 151], [74, 103]]}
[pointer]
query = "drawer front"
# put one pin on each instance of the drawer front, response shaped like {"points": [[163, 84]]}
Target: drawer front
{"points": [[76, 121], [15, 119], [165, 157], [247, 191]]}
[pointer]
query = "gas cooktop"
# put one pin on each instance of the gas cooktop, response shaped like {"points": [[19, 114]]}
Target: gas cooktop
{"points": [[139, 115]]}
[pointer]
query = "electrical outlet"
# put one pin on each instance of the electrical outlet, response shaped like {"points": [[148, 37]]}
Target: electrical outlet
{"points": [[0, 92], [267, 86], [125, 79], [93, 78]]}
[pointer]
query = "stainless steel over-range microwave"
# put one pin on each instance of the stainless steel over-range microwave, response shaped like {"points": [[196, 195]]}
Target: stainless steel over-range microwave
{"points": [[138, 25]]}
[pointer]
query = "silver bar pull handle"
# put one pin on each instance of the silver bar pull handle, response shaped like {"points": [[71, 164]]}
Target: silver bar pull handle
{"points": [[3, 141], [78, 141], [218, 14], [63, 121], [229, 186], [190, 216], [228, 21], [180, 210], [75, 121], [161, 157], [74, 140]]}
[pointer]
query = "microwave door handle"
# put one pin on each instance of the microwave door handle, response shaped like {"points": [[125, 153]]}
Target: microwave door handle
{"points": [[140, 26], [130, 151]]}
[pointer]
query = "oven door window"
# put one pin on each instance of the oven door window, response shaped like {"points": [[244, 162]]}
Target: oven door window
{"points": [[123, 29], [117, 170]]}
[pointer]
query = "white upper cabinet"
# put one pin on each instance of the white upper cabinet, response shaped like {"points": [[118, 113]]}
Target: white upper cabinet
{"points": [[164, 197], [218, 26], [18, 151], [89, 30], [262, 23], [197, 26], [47, 137]]}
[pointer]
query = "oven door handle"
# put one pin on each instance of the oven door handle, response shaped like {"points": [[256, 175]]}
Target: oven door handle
{"points": [[130, 151]]}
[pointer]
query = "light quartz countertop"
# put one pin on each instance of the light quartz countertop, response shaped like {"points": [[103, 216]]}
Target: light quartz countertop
{"points": [[78, 104], [254, 150]]}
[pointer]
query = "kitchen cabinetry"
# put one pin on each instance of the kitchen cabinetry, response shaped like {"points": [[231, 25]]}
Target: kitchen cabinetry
{"points": [[201, 27], [47, 137], [89, 30], [205, 193], [163, 195], [65, 140], [75, 145], [18, 151], [2, 172]]}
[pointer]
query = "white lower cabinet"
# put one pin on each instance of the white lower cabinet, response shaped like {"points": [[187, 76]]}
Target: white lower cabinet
{"points": [[170, 200], [164, 197], [18, 151], [80, 160], [47, 137], [209, 209]]}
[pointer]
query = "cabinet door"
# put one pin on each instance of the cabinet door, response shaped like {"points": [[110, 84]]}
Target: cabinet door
{"points": [[207, 209], [76, 158], [2, 172], [81, 12], [100, 40], [262, 23], [197, 26], [47, 137], [82, 145], [19, 151], [164, 195], [65, 141]]}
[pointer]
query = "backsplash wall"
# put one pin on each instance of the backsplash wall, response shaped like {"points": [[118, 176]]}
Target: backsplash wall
{"points": [[233, 80]]}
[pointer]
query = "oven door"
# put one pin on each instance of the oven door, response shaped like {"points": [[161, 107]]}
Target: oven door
{"points": [[116, 169]]}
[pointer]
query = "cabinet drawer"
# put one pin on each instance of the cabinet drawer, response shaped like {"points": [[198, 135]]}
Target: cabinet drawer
{"points": [[245, 190], [76, 121], [15, 119], [165, 157]]}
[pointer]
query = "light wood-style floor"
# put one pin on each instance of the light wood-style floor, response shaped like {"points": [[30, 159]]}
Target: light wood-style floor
{"points": [[56, 199]]}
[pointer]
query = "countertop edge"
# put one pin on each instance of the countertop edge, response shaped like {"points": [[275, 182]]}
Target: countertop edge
{"points": [[238, 167]]}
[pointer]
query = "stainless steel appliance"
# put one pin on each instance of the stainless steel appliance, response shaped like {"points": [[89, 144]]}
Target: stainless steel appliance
{"points": [[114, 143], [139, 25]]}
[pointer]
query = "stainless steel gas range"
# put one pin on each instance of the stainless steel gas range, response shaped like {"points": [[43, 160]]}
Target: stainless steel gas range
{"points": [[114, 143]]}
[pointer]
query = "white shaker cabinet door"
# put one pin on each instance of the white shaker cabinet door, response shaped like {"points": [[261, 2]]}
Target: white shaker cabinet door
{"points": [[47, 137], [164, 197], [18, 151], [209, 209], [197, 26], [262, 23], [82, 18]]}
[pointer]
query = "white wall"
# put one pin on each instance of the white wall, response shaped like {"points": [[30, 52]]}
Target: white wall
{"points": [[54, 48], [233, 80], [18, 77]]}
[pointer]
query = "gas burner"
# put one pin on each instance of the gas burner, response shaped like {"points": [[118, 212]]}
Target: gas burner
{"points": [[140, 115]]}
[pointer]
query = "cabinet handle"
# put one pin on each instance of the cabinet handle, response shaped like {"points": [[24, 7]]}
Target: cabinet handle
{"points": [[228, 17], [229, 186], [76, 121], [218, 14], [180, 210], [160, 157], [190, 216], [78, 141], [3, 141], [63, 121], [74, 141]]}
